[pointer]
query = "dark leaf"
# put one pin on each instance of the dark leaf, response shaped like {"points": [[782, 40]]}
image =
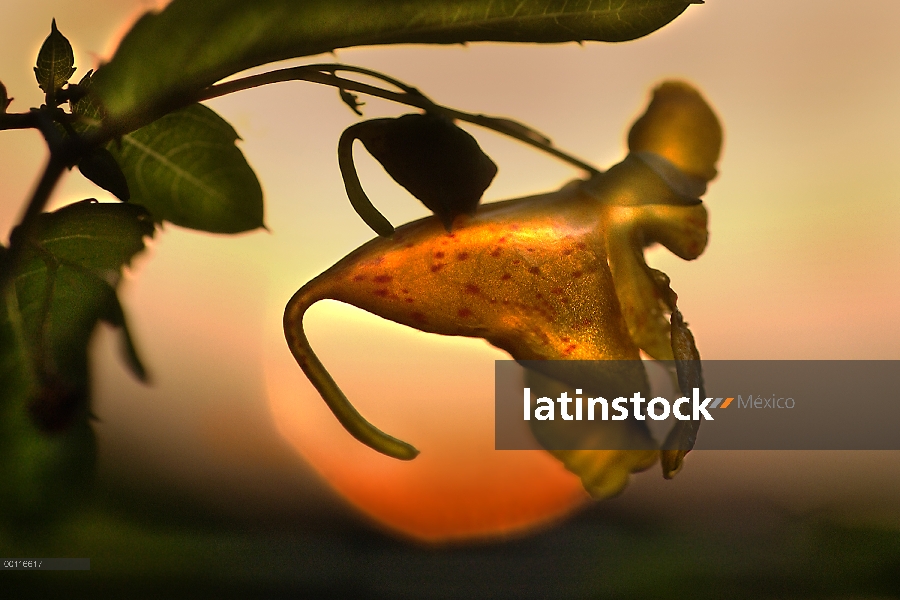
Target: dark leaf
{"points": [[191, 44], [351, 100], [185, 169], [101, 167], [115, 316], [64, 284], [55, 62], [439, 163], [4, 99]]}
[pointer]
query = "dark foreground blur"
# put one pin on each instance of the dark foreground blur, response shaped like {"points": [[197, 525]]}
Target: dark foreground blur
{"points": [[145, 547]]}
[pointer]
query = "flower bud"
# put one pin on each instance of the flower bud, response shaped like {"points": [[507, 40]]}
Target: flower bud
{"points": [[680, 126]]}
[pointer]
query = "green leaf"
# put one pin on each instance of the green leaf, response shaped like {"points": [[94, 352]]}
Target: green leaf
{"points": [[185, 169], [87, 111], [190, 45], [99, 237], [55, 62], [65, 283]]}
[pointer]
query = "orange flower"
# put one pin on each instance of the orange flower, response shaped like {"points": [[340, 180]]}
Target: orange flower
{"points": [[554, 276]]}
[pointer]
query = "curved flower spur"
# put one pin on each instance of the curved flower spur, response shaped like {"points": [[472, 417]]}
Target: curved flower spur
{"points": [[553, 276]]}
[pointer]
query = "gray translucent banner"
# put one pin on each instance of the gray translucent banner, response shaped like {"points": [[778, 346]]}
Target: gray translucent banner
{"points": [[45, 564], [747, 405]]}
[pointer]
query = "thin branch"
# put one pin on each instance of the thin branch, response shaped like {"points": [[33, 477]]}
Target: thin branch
{"points": [[18, 121], [63, 153], [410, 96], [53, 171], [333, 68]]}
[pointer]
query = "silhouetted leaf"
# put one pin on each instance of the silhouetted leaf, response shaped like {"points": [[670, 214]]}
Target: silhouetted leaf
{"points": [[55, 62], [4, 99], [185, 169], [194, 43], [99, 166], [439, 163], [351, 100], [114, 315]]}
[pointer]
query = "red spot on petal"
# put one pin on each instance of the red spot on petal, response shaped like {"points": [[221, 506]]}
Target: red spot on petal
{"points": [[495, 252], [517, 261], [380, 292], [409, 300], [404, 291], [439, 255], [417, 316], [557, 290], [462, 256], [382, 279], [570, 348], [529, 249], [577, 274], [505, 276], [539, 296], [464, 313], [471, 288], [502, 240], [359, 278], [564, 340], [436, 268], [534, 271], [567, 251], [581, 245]]}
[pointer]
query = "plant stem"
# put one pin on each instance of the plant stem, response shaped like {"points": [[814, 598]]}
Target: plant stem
{"points": [[410, 96], [52, 172], [18, 121], [63, 153]]}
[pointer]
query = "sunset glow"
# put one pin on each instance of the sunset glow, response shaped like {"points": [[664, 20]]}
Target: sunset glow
{"points": [[459, 486]]}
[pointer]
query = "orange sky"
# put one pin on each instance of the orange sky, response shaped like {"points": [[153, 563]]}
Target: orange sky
{"points": [[801, 262]]}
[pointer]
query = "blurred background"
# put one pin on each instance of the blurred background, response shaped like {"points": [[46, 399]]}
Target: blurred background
{"points": [[230, 473]]}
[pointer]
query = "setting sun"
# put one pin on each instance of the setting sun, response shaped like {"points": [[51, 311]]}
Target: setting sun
{"points": [[441, 399]]}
